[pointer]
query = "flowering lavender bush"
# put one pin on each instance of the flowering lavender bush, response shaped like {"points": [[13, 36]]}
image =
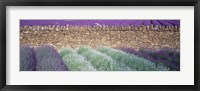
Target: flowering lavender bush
{"points": [[166, 56], [170, 58], [48, 59], [101, 61], [134, 62], [27, 59], [74, 61]]}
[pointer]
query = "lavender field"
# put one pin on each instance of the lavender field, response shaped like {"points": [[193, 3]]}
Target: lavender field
{"points": [[101, 22], [99, 45]]}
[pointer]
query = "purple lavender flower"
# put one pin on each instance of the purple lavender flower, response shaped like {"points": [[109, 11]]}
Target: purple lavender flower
{"points": [[165, 23], [166, 56], [48, 59], [147, 23], [27, 59], [99, 22]]}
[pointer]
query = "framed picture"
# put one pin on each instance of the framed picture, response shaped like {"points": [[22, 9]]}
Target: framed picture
{"points": [[99, 45]]}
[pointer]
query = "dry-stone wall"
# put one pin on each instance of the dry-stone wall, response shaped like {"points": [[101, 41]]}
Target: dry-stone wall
{"points": [[77, 37]]}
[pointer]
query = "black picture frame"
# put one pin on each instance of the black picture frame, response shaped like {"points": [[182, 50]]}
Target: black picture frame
{"points": [[4, 3]]}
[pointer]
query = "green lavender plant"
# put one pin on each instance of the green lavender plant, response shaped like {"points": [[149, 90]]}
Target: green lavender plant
{"points": [[100, 61], [134, 62], [74, 61]]}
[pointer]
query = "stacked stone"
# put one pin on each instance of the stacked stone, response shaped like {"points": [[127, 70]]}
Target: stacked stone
{"points": [[75, 36], [101, 28]]}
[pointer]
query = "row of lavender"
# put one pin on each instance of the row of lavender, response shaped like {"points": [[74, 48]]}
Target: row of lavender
{"points": [[166, 56], [101, 22], [101, 25], [46, 58]]}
